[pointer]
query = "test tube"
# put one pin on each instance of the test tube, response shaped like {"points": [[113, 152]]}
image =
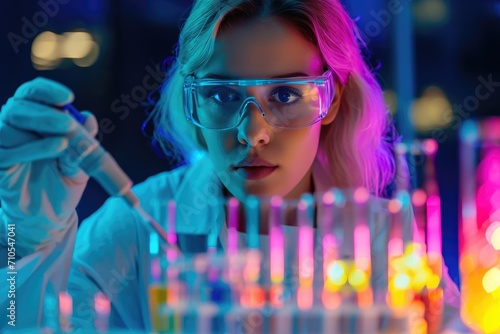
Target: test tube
{"points": [[430, 148], [281, 319], [403, 179], [171, 253], [328, 242], [276, 241], [433, 208], [65, 311], [434, 242], [406, 219], [251, 271], [398, 281], [157, 288], [418, 201], [102, 307], [469, 136], [362, 242], [480, 224], [305, 255], [334, 267], [232, 226], [252, 216], [219, 292], [213, 236], [359, 278], [253, 295], [308, 317], [207, 310], [395, 245], [50, 309], [171, 228]]}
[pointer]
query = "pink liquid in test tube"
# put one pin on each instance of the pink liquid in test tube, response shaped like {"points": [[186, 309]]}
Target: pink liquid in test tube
{"points": [[65, 311], [65, 304], [171, 253], [433, 204], [488, 193], [469, 134], [362, 255], [276, 240], [171, 232], [232, 237], [306, 240], [102, 306], [434, 225]]}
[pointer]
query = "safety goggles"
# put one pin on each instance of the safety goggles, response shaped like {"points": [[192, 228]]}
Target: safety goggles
{"points": [[288, 103]]}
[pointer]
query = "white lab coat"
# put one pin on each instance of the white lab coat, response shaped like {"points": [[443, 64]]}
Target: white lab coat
{"points": [[111, 249]]}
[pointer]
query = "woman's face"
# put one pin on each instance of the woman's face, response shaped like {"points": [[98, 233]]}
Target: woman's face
{"points": [[257, 158]]}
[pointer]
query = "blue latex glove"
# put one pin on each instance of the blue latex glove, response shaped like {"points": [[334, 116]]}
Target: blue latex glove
{"points": [[39, 190]]}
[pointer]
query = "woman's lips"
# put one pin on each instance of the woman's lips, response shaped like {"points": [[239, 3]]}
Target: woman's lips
{"points": [[254, 168], [255, 172]]}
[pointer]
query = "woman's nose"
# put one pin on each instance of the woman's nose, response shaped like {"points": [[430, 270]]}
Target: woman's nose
{"points": [[253, 129]]}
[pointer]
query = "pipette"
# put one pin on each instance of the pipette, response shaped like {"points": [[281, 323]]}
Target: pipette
{"points": [[85, 152], [100, 165]]}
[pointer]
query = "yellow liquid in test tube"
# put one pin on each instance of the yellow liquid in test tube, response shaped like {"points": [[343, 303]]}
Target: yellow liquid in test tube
{"points": [[480, 292], [157, 299]]}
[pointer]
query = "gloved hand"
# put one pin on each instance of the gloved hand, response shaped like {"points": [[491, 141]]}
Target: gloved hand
{"points": [[39, 189]]}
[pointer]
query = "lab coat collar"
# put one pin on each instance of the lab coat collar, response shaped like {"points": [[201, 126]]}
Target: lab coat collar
{"points": [[198, 198]]}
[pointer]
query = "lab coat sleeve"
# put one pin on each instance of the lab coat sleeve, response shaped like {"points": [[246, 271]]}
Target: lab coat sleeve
{"points": [[108, 254], [22, 301], [105, 259], [111, 256]]}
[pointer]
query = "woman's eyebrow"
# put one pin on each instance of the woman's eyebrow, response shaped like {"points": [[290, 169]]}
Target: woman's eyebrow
{"points": [[228, 77]]}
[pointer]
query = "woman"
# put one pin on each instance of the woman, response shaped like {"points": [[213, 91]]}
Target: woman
{"points": [[304, 114]]}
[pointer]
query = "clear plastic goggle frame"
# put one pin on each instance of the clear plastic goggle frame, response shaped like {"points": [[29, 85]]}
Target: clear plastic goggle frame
{"points": [[287, 103]]}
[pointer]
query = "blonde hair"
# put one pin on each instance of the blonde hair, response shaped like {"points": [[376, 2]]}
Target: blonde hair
{"points": [[352, 147]]}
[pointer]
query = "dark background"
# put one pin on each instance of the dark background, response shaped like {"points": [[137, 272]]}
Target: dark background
{"points": [[454, 43]]}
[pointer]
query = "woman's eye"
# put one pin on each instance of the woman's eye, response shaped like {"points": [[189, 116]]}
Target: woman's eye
{"points": [[225, 95], [285, 95]]}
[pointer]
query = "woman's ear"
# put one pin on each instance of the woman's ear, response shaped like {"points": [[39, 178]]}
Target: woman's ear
{"points": [[334, 108]]}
